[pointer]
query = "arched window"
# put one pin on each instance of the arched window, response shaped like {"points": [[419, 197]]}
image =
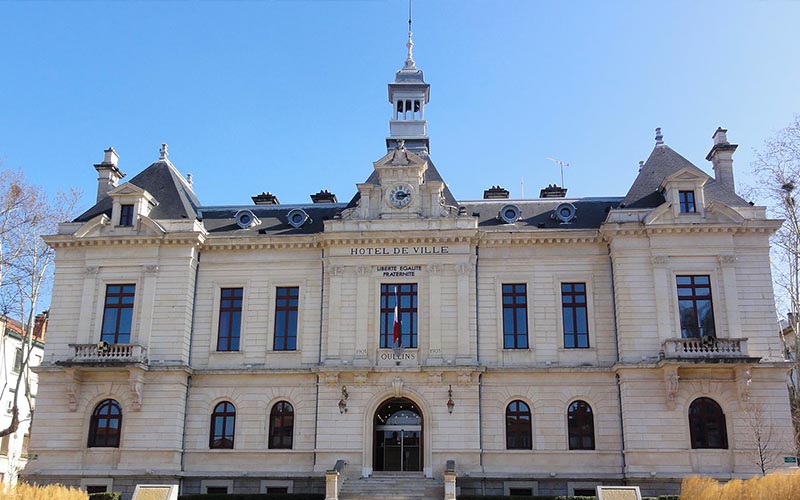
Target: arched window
{"points": [[281, 426], [707, 424], [580, 425], [105, 426], [223, 424], [518, 426]]}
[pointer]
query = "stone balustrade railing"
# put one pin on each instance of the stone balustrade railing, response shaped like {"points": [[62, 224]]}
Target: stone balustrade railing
{"points": [[95, 353], [705, 347]]}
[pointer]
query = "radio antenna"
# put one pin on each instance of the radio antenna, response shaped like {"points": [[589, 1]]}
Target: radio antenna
{"points": [[561, 164]]}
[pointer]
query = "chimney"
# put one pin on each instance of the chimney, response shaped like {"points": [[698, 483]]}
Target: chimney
{"points": [[108, 173], [721, 156], [495, 193], [553, 191], [323, 196], [266, 199], [40, 326]]}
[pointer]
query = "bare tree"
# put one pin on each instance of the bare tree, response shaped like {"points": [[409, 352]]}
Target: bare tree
{"points": [[766, 449], [26, 214], [777, 169]]}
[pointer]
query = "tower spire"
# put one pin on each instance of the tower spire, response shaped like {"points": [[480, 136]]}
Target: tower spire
{"points": [[410, 43]]}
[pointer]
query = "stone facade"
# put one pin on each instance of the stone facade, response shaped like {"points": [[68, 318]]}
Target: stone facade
{"points": [[634, 361]]}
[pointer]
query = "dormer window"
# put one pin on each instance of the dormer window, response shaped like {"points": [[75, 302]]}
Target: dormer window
{"points": [[126, 215], [686, 199]]}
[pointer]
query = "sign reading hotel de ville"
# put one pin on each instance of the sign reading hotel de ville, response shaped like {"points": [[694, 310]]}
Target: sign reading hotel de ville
{"points": [[414, 251], [404, 250]]}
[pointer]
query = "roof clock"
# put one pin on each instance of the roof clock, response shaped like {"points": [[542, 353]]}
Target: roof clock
{"points": [[400, 195]]}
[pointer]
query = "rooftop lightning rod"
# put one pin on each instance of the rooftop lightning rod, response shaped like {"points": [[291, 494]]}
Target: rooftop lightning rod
{"points": [[562, 164]]}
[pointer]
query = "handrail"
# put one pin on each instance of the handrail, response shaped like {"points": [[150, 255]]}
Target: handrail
{"points": [[705, 347], [450, 480], [109, 352], [334, 479]]}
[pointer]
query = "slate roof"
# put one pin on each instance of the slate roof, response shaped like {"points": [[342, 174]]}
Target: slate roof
{"points": [[175, 199], [431, 174], [537, 214], [274, 221], [663, 162]]}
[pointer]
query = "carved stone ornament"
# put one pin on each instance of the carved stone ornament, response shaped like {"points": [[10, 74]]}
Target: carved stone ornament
{"points": [[331, 378], [360, 378], [744, 378], [435, 269], [671, 379], [72, 388], [435, 378], [137, 390], [462, 268], [363, 270], [151, 269], [337, 270], [92, 269], [659, 260], [464, 378], [727, 259], [397, 387]]}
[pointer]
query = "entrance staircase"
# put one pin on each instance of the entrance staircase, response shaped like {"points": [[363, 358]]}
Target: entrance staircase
{"points": [[392, 486]]}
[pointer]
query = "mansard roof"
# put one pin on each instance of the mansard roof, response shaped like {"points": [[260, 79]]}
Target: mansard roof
{"points": [[274, 219], [538, 213], [645, 192], [175, 198]]}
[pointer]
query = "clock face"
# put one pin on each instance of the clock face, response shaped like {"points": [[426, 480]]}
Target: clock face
{"points": [[400, 195]]}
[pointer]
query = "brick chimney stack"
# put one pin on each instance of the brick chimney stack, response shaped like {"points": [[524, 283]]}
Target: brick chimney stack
{"points": [[40, 326]]}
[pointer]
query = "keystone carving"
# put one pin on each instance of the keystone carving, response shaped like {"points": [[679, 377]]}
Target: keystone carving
{"points": [[397, 386]]}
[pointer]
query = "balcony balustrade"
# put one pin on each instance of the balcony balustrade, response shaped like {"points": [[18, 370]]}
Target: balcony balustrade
{"points": [[105, 353], [704, 348]]}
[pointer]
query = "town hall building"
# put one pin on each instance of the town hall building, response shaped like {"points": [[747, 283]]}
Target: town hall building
{"points": [[531, 346]]}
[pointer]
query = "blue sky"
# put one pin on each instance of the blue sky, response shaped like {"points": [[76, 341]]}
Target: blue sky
{"points": [[290, 96]]}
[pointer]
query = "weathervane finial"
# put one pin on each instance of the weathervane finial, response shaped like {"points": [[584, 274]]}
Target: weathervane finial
{"points": [[410, 44], [163, 153]]}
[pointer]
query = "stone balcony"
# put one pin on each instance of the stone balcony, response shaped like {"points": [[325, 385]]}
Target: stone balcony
{"points": [[705, 348], [109, 353]]}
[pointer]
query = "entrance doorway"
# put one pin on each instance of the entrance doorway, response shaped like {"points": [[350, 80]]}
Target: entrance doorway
{"points": [[398, 436]]}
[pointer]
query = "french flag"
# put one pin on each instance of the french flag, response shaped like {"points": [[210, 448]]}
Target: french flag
{"points": [[396, 326]]}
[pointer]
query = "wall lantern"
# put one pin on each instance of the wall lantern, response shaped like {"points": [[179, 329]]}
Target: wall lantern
{"points": [[450, 403], [343, 401]]}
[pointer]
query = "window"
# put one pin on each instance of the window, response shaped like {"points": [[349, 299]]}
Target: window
{"points": [[281, 426], [515, 316], [696, 309], [573, 312], [223, 422], [26, 439], [118, 314], [277, 490], [707, 424], [687, 202], [286, 318], [520, 492], [230, 319], [580, 425], [211, 490], [17, 361], [518, 426], [584, 492], [126, 215], [4, 445], [106, 424], [406, 326], [96, 489]]}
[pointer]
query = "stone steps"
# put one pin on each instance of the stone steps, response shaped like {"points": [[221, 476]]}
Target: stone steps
{"points": [[392, 487]]}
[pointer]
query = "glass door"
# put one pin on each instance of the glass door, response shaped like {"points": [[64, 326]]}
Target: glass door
{"points": [[398, 448]]}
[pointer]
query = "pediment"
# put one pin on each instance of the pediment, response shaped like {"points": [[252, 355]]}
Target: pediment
{"points": [[686, 175], [715, 213], [101, 226], [400, 157], [127, 189]]}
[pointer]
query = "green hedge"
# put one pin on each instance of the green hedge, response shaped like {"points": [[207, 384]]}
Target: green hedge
{"points": [[253, 496], [113, 495]]}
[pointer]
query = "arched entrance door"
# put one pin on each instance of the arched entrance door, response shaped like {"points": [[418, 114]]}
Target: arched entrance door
{"points": [[398, 436]]}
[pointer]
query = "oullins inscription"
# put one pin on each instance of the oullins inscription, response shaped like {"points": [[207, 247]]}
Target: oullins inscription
{"points": [[422, 250]]}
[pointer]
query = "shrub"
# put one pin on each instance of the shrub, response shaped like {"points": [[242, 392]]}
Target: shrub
{"points": [[106, 496], [25, 491], [774, 486], [253, 496]]}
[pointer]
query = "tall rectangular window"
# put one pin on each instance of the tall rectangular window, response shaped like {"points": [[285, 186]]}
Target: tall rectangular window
{"points": [[406, 314], [17, 361], [515, 316], [574, 314], [118, 314], [695, 306], [286, 318], [230, 319], [126, 215], [687, 202]]}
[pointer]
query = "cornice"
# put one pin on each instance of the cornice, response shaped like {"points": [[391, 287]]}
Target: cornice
{"points": [[70, 241], [636, 229], [490, 239], [261, 243], [462, 237]]}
